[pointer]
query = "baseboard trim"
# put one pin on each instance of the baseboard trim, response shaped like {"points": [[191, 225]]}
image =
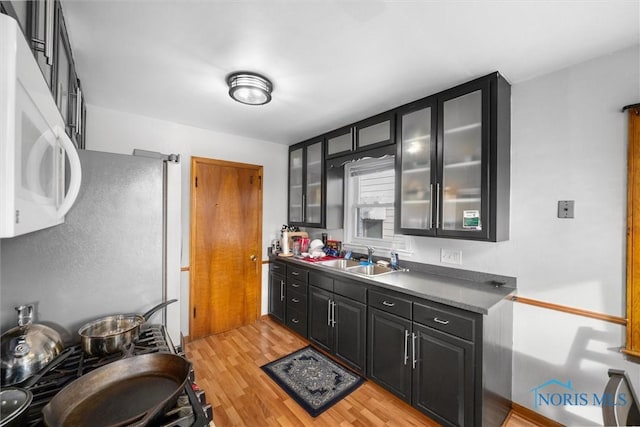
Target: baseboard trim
{"points": [[532, 416]]}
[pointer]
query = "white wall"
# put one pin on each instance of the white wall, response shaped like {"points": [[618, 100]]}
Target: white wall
{"points": [[120, 132], [568, 142]]}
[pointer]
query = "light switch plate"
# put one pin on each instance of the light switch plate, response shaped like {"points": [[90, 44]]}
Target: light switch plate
{"points": [[565, 208], [451, 256]]}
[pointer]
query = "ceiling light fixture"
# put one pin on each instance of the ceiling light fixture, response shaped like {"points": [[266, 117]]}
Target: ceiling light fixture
{"points": [[249, 88]]}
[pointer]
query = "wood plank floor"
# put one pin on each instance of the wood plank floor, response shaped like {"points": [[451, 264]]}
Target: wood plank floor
{"points": [[227, 368]]}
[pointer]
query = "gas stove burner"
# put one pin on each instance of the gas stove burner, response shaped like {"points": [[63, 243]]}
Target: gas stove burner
{"points": [[191, 409]]}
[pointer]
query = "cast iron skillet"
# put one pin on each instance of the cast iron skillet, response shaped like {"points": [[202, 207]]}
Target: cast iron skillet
{"points": [[134, 391]]}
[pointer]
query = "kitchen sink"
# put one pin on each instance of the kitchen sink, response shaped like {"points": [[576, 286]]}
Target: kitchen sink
{"points": [[370, 270], [341, 264]]}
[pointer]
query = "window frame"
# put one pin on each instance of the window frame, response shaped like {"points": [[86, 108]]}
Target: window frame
{"points": [[398, 242]]}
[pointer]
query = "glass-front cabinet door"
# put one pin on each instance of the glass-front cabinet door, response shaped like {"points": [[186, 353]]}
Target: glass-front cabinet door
{"points": [[340, 142], [375, 131], [462, 166], [416, 172], [313, 198], [306, 184], [296, 158], [454, 162]]}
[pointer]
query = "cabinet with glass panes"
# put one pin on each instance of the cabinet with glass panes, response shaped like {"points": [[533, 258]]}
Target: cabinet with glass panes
{"points": [[306, 188], [453, 162]]}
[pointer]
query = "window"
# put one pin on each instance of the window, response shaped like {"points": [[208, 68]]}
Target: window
{"points": [[369, 204]]}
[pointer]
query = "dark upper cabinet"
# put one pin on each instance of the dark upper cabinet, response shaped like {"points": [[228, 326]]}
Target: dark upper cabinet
{"points": [[21, 12], [43, 36], [453, 162], [307, 184], [43, 25], [373, 132]]}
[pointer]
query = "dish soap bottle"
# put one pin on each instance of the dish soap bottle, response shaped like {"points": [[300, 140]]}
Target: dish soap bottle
{"points": [[394, 260]]}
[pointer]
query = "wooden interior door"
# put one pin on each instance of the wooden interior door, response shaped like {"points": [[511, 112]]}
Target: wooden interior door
{"points": [[225, 257], [633, 233]]}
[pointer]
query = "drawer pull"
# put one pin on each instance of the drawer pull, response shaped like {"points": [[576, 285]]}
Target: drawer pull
{"points": [[442, 322], [388, 304], [295, 285], [296, 321], [296, 300], [295, 273]]}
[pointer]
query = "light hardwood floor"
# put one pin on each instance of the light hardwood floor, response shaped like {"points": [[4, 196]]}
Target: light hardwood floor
{"points": [[227, 368]]}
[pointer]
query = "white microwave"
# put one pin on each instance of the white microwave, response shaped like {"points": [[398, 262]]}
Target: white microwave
{"points": [[33, 143]]}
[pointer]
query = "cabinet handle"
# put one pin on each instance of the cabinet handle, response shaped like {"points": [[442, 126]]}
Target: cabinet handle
{"points": [[354, 145], [295, 273], [296, 321], [333, 314], [437, 205], [296, 300], [295, 285], [388, 304], [413, 342], [48, 31], [431, 205], [442, 322], [281, 290], [406, 347], [78, 111], [304, 208], [328, 312]]}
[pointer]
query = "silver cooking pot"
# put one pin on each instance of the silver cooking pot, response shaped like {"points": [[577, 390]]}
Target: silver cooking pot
{"points": [[27, 348], [112, 334]]}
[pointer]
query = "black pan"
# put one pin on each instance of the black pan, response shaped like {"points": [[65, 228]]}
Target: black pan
{"points": [[130, 392]]}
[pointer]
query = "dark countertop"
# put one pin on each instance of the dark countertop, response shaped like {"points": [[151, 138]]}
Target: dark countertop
{"points": [[477, 295]]}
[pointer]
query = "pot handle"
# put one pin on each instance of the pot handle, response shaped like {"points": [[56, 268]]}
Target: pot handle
{"points": [[150, 313], [29, 382], [25, 314]]}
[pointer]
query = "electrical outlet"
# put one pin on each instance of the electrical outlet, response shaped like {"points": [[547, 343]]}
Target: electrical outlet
{"points": [[451, 256], [565, 208]]}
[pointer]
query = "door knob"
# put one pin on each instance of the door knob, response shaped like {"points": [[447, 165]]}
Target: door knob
{"points": [[253, 257]]}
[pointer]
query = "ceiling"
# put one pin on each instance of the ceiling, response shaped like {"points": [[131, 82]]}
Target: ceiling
{"points": [[331, 62]]}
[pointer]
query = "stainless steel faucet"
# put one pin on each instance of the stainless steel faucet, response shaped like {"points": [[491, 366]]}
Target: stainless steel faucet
{"points": [[370, 252]]}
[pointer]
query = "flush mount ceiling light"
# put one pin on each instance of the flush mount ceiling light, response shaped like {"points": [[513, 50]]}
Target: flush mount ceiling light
{"points": [[249, 88]]}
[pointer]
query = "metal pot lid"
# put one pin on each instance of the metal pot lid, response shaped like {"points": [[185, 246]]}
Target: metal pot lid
{"points": [[13, 401]]}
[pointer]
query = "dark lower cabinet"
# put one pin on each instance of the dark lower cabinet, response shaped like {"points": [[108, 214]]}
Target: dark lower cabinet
{"points": [[389, 352], [349, 333], [452, 364], [319, 312], [338, 326], [277, 296], [443, 376]]}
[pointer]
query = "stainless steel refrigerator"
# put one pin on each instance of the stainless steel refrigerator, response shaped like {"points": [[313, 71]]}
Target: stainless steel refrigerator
{"points": [[117, 252]]}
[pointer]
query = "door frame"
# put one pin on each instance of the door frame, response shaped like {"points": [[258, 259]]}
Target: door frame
{"points": [[192, 203]]}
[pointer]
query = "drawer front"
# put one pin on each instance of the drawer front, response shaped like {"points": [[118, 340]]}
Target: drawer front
{"points": [[297, 321], [296, 301], [390, 303], [353, 290], [297, 273], [278, 268], [321, 281], [445, 321], [296, 286]]}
